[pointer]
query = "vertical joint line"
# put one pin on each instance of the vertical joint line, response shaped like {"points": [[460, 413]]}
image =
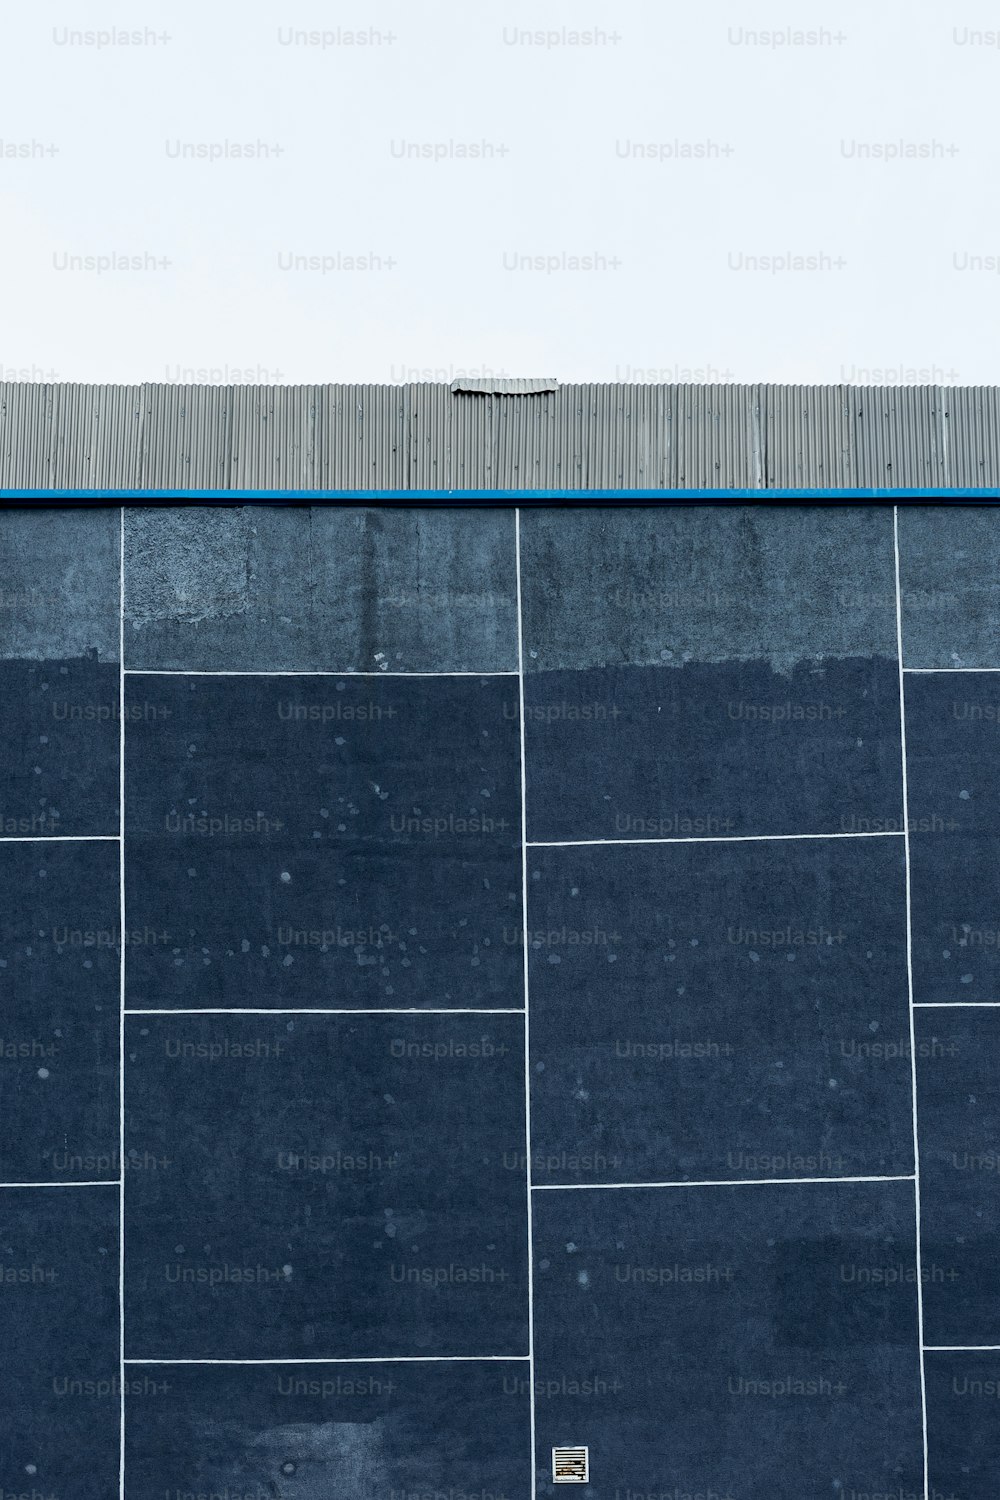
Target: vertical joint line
{"points": [[527, 1008], [121, 996], [909, 992]]}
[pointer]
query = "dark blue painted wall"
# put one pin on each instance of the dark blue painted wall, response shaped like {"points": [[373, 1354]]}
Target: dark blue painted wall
{"points": [[330, 1287]]}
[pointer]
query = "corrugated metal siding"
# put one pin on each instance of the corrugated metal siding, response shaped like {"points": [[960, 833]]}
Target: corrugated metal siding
{"points": [[186, 435], [429, 437], [897, 437], [272, 439], [432, 427], [93, 439], [626, 427], [362, 437], [562, 448], [718, 437], [24, 435], [521, 433], [808, 436], [971, 425]]}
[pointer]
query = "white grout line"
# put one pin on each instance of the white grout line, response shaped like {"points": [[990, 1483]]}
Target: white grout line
{"points": [[369, 1359], [66, 838], [143, 672], [956, 1005], [121, 998], [110, 1182], [742, 838], [597, 1187], [909, 992], [317, 1011], [925, 671], [524, 946]]}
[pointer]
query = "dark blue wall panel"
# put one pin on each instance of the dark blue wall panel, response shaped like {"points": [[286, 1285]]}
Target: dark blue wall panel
{"points": [[710, 671], [736, 1340], [59, 643], [963, 1430], [959, 1113], [953, 755], [719, 1011], [324, 841], [321, 1186], [59, 977], [654, 585], [60, 1391], [950, 592], [321, 588], [358, 1260], [364, 1431], [723, 750]]}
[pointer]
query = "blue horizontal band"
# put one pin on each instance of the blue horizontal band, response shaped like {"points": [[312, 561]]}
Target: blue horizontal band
{"points": [[871, 493]]}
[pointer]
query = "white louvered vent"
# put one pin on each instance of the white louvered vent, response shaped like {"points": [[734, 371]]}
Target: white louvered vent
{"points": [[570, 1465]]}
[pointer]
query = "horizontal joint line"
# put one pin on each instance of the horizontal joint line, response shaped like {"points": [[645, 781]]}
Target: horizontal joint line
{"points": [[64, 838], [286, 1010], [370, 1359], [742, 838], [591, 1187], [114, 1182], [155, 672]]}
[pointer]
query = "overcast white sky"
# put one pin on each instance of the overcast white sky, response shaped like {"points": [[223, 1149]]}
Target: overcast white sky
{"points": [[96, 162]]}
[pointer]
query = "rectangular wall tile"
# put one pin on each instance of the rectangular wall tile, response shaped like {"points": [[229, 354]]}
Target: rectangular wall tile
{"points": [[342, 1187], [739, 1341], [719, 1011], [713, 670], [59, 978], [950, 588], [59, 672], [958, 1109], [59, 1376], [321, 588], [953, 761], [360, 1430], [324, 841], [963, 1431]]}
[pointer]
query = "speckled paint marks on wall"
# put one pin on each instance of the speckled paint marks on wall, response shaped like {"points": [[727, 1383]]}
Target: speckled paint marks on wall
{"points": [[430, 1136]]}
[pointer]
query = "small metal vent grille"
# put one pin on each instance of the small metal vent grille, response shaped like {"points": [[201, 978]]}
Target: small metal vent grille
{"points": [[570, 1465]]}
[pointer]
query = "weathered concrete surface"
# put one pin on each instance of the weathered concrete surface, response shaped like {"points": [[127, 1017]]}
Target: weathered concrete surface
{"points": [[321, 589], [660, 587]]}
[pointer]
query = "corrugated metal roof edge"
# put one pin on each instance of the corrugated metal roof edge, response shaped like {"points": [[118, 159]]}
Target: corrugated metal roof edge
{"points": [[423, 440], [457, 386], [518, 496]]}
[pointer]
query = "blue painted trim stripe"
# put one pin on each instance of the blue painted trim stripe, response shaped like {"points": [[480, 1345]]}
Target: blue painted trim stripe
{"points": [[514, 495]]}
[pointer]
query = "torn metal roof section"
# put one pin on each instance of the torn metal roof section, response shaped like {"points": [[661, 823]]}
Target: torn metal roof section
{"points": [[497, 437]]}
